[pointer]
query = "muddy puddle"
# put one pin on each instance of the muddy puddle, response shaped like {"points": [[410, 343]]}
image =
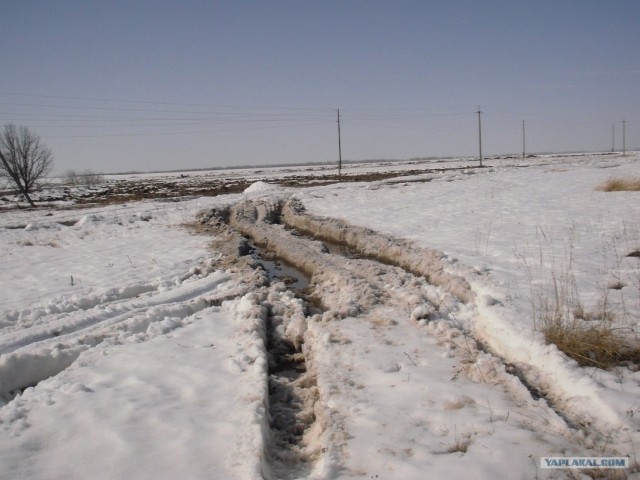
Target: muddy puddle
{"points": [[342, 250], [279, 270]]}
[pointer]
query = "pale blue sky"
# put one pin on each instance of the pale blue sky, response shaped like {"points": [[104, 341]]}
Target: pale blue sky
{"points": [[152, 85]]}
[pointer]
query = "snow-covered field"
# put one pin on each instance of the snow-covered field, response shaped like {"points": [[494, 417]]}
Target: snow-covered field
{"points": [[133, 346]]}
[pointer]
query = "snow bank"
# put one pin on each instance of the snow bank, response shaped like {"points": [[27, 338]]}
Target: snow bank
{"points": [[260, 187]]}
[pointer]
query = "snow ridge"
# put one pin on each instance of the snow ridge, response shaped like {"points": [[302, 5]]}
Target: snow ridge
{"points": [[420, 261]]}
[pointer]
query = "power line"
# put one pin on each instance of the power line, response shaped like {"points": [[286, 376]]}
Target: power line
{"points": [[148, 102], [52, 115], [198, 132], [189, 112]]}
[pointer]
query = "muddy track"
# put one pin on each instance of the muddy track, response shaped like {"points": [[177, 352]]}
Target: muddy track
{"points": [[295, 421], [377, 270], [293, 391]]}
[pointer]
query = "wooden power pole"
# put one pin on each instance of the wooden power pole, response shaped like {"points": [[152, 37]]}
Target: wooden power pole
{"points": [[479, 112], [613, 138], [523, 141], [339, 147]]}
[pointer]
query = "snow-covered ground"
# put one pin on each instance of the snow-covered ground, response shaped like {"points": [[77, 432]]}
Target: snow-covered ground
{"points": [[132, 346]]}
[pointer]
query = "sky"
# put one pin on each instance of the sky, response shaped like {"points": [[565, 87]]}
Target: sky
{"points": [[162, 85]]}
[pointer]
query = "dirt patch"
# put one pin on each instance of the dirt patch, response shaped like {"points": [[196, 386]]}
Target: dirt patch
{"points": [[132, 190]]}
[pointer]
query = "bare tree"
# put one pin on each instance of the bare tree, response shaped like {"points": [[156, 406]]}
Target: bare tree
{"points": [[23, 159]]}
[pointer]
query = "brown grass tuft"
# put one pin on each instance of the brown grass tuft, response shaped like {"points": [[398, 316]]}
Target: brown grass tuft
{"points": [[461, 443], [587, 336], [592, 346], [620, 185]]}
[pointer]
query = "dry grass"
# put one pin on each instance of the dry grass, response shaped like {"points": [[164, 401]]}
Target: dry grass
{"points": [[601, 334], [592, 337], [590, 345], [461, 442], [620, 185], [588, 337]]}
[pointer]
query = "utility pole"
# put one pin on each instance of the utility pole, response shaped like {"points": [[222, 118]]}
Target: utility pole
{"points": [[624, 142], [613, 138], [523, 140], [479, 112], [339, 147]]}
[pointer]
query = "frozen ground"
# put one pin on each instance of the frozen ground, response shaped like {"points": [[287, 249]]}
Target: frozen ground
{"points": [[132, 346]]}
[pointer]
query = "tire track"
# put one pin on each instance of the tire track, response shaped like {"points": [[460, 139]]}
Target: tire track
{"points": [[64, 326], [40, 352], [428, 264], [293, 393], [393, 272]]}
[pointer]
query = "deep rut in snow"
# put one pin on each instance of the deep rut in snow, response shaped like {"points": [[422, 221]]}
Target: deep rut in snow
{"points": [[292, 446], [293, 394], [292, 388], [278, 270]]}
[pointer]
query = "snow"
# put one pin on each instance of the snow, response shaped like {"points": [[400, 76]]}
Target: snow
{"points": [[505, 230], [259, 187], [130, 349], [144, 409]]}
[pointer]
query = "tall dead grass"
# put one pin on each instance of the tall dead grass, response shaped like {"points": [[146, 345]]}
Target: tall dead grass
{"points": [[589, 345], [588, 338], [620, 185], [591, 336]]}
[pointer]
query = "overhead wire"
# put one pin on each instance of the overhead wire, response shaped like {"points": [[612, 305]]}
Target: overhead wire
{"points": [[68, 114], [78, 112]]}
